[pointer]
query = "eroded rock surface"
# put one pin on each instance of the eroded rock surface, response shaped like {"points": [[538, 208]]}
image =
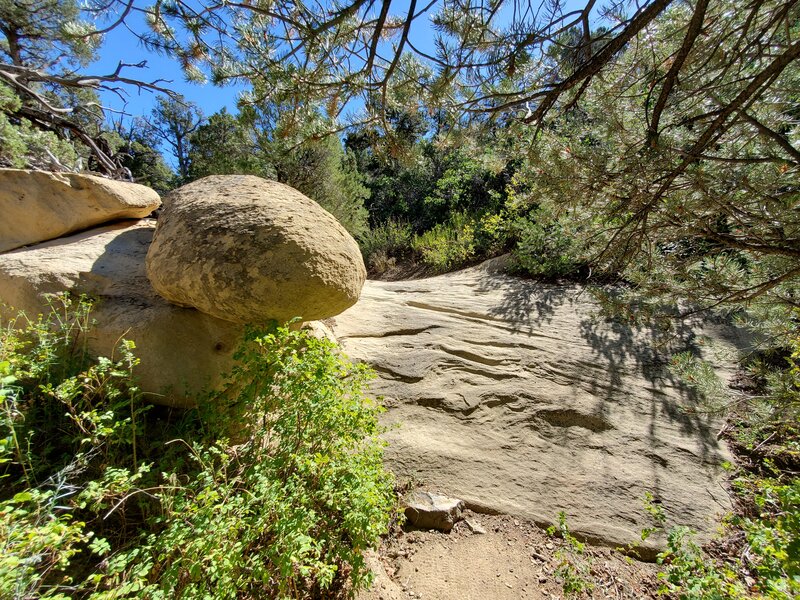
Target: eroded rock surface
{"points": [[427, 510], [249, 250], [181, 350], [39, 205], [513, 396]]}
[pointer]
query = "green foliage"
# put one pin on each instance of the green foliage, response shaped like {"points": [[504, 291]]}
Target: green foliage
{"points": [[140, 156], [770, 553], [689, 574], [324, 172], [62, 416], [381, 246], [274, 492], [224, 146], [773, 537], [305, 492], [673, 223], [700, 375], [461, 240], [44, 32], [254, 144], [172, 122], [24, 146], [574, 565], [546, 247], [447, 246]]}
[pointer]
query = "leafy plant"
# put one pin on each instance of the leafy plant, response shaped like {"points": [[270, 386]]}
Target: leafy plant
{"points": [[381, 246], [61, 416], [298, 497], [574, 565], [690, 574], [773, 537], [273, 489], [448, 246]]}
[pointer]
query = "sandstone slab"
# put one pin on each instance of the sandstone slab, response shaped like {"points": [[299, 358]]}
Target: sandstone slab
{"points": [[427, 510], [249, 250], [39, 205], [515, 397], [182, 350]]}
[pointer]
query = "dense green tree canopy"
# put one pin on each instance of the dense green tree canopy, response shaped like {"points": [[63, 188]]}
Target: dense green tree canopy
{"points": [[492, 59], [686, 183]]}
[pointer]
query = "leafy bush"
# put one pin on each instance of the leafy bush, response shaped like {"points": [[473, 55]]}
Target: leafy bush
{"points": [[546, 247], [383, 245], [764, 532], [291, 506], [574, 566], [449, 245], [771, 550], [773, 537], [62, 416], [273, 489], [24, 146]]}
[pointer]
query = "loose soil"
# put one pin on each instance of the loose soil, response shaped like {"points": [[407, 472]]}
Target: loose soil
{"points": [[513, 559]]}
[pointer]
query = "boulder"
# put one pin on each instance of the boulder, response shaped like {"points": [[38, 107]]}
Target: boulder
{"points": [[39, 205], [515, 397], [182, 350], [433, 511], [248, 250]]}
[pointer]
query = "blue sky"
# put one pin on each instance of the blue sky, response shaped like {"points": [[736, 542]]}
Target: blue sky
{"points": [[122, 44]]}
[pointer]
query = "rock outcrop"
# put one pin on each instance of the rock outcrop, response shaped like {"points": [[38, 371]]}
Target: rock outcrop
{"points": [[248, 250], [39, 206], [513, 396], [239, 249], [432, 511], [182, 350]]}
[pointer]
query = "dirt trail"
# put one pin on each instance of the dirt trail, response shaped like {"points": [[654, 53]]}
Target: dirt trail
{"points": [[514, 559]]}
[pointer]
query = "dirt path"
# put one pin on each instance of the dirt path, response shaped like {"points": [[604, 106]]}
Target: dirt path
{"points": [[513, 559]]}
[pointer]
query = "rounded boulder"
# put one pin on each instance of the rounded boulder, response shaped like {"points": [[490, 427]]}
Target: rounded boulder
{"points": [[249, 250]]}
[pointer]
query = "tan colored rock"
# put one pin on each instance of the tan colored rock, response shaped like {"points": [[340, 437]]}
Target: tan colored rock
{"points": [[514, 397], [427, 510], [249, 250], [39, 205], [182, 350]]}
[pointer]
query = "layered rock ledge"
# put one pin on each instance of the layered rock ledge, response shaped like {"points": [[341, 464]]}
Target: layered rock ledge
{"points": [[514, 396], [182, 350]]}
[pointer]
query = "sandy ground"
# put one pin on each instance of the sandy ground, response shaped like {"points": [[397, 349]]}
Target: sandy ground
{"points": [[513, 559]]}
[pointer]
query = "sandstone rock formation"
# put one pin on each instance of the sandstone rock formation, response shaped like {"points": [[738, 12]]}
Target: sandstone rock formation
{"points": [[181, 350], [248, 250], [39, 205], [432, 511], [513, 396]]}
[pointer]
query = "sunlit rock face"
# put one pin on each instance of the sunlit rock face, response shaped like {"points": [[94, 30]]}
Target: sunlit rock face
{"points": [[39, 205], [182, 350], [249, 250], [517, 397]]}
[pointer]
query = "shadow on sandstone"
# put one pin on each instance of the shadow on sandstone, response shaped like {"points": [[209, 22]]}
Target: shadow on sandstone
{"points": [[627, 354]]}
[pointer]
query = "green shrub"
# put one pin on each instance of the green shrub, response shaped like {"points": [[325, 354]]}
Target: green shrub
{"points": [[773, 537], [574, 568], [546, 248], [383, 245], [24, 146], [272, 490], [449, 245], [294, 503], [62, 418]]}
